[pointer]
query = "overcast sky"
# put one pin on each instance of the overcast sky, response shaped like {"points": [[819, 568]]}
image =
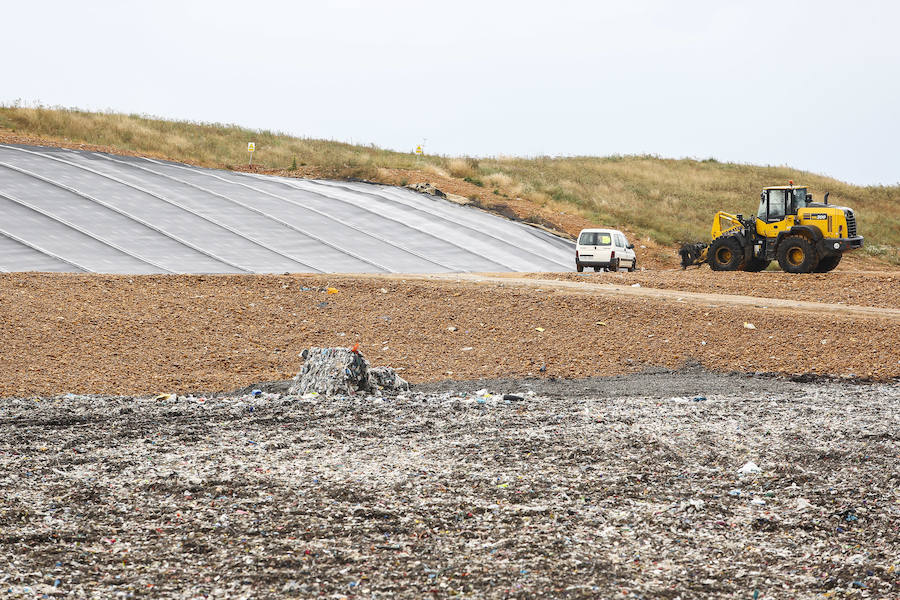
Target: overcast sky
{"points": [[814, 85]]}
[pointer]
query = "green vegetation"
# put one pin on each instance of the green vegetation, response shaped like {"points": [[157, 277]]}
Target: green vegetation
{"points": [[669, 200]]}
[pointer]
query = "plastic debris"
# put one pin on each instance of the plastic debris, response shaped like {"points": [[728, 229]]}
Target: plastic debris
{"points": [[750, 468], [749, 326], [541, 329]]}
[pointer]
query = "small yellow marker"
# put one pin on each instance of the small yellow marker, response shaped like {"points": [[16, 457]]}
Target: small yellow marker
{"points": [[251, 148]]}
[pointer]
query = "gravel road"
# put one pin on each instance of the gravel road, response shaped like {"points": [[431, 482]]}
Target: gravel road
{"points": [[624, 487]]}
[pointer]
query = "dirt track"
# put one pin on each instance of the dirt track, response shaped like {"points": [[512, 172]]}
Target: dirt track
{"points": [[142, 335]]}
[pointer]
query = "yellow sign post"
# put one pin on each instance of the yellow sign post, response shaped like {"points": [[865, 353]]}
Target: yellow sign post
{"points": [[251, 148]]}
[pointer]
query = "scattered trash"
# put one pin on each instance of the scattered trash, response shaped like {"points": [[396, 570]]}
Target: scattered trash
{"points": [[452, 328], [635, 285], [448, 490], [699, 398], [256, 393], [385, 379], [541, 329], [331, 290], [749, 326]]}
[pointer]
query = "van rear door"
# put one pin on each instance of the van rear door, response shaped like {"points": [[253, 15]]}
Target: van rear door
{"points": [[594, 247]]}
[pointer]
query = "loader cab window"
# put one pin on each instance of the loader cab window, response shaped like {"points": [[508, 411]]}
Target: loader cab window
{"points": [[776, 205], [800, 199]]}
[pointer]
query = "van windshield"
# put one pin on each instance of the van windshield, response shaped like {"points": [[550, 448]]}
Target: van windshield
{"points": [[593, 238]]}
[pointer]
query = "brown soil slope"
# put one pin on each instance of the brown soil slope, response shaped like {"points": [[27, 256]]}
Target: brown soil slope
{"points": [[126, 334]]}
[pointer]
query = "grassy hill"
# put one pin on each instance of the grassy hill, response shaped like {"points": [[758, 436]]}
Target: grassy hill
{"points": [[665, 200]]}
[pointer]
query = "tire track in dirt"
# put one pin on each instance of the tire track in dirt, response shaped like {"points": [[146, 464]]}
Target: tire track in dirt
{"points": [[708, 299]]}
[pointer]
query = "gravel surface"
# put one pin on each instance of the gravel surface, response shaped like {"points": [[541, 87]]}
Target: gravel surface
{"points": [[152, 334], [629, 487]]}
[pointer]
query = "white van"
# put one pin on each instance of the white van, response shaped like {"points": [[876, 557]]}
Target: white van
{"points": [[604, 249]]}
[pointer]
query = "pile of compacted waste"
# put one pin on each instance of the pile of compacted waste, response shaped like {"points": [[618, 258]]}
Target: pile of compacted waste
{"points": [[343, 372]]}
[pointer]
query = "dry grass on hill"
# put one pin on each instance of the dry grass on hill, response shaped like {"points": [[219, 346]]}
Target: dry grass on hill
{"points": [[664, 199]]}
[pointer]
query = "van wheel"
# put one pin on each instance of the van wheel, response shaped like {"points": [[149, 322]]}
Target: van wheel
{"points": [[579, 267], [633, 266], [614, 265]]}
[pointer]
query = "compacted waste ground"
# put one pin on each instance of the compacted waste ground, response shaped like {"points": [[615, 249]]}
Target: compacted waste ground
{"points": [[665, 484]]}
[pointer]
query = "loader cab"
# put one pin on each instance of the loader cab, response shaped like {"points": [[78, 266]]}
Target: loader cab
{"points": [[775, 203]]}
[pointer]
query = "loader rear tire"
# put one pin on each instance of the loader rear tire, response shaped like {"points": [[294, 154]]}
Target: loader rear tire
{"points": [[796, 254], [828, 263], [726, 254]]}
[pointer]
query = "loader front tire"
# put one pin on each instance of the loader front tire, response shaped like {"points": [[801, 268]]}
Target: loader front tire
{"points": [[726, 254], [796, 254]]}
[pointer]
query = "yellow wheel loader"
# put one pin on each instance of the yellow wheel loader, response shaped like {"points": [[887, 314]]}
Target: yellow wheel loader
{"points": [[802, 235]]}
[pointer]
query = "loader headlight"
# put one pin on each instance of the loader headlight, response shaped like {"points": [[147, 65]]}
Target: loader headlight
{"points": [[837, 245]]}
